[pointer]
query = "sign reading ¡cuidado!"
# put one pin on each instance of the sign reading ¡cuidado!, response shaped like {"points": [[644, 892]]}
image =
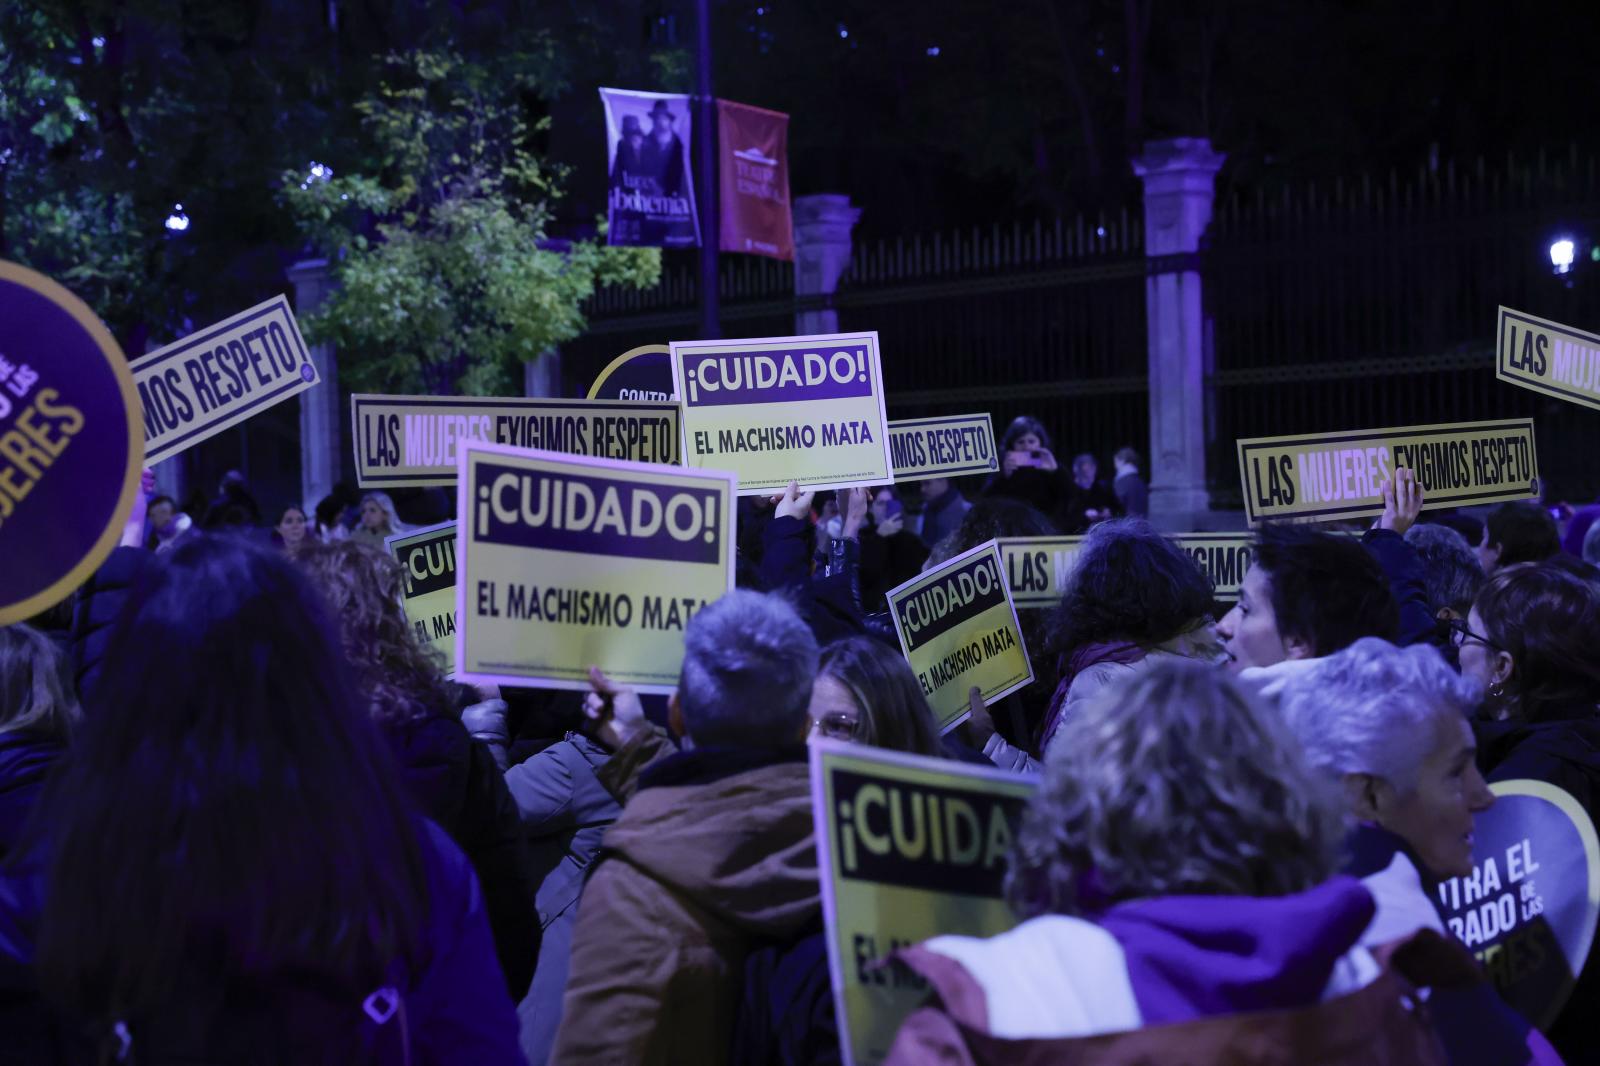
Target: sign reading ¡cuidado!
{"points": [[949, 446], [568, 562], [781, 409], [70, 442], [427, 559], [1037, 567], [958, 628], [414, 440], [1548, 357], [1323, 476], [219, 376], [884, 889]]}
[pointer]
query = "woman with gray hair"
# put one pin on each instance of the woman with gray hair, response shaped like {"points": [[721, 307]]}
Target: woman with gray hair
{"points": [[1173, 866]]}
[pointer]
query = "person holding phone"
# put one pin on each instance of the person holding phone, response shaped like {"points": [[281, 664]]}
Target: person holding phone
{"points": [[890, 553], [1028, 469]]}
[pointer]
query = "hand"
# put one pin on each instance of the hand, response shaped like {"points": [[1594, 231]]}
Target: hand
{"points": [[853, 505], [486, 721], [979, 726], [793, 503], [133, 530], [1047, 461], [1402, 501], [615, 709], [1008, 465], [891, 525]]}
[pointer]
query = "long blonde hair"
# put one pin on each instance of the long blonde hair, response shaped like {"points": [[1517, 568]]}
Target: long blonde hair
{"points": [[36, 690], [1173, 782]]}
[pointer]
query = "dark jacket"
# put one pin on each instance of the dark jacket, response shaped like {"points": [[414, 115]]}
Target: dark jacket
{"points": [[455, 1010], [887, 562], [829, 604], [25, 761], [1403, 567], [455, 782], [565, 811], [100, 602], [942, 516], [1080, 500], [1133, 495], [1046, 491], [712, 857], [1563, 750]]}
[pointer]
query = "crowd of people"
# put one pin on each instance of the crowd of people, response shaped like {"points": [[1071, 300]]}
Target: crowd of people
{"points": [[245, 817]]}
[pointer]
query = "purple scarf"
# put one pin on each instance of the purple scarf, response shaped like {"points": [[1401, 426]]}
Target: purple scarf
{"points": [[1116, 651]]}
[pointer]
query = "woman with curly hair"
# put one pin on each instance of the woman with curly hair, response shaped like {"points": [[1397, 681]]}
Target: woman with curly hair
{"points": [[1132, 599], [1175, 866], [452, 778]]}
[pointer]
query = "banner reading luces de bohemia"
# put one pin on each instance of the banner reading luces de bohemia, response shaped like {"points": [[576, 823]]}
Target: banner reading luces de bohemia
{"points": [[651, 202], [427, 559], [414, 440], [1529, 909], [949, 446], [885, 888], [567, 562], [781, 409], [1548, 357], [754, 148], [219, 376], [958, 628], [70, 442], [1321, 476], [1037, 567]]}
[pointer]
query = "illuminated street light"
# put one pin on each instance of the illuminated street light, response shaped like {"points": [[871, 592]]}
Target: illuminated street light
{"points": [[1561, 254], [177, 222]]}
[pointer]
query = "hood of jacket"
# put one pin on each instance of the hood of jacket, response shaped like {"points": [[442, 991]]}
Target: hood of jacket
{"points": [[1563, 751], [732, 831]]}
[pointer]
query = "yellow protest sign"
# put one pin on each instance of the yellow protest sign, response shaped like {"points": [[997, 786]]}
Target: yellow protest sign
{"points": [[219, 376], [908, 848], [414, 440], [428, 559], [1548, 357], [781, 409], [1322, 476], [1037, 568], [958, 628], [947, 446], [568, 562]]}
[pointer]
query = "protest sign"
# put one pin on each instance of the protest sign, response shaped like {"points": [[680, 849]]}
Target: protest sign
{"points": [[642, 373], [415, 440], [1548, 357], [1528, 911], [427, 557], [568, 562], [71, 443], [219, 376], [958, 628], [781, 409], [651, 202], [1037, 568], [908, 848], [1322, 476], [949, 446], [753, 144]]}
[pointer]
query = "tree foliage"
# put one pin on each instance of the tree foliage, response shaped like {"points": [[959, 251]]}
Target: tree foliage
{"points": [[447, 281]]}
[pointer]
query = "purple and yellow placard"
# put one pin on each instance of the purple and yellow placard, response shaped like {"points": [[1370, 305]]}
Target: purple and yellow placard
{"points": [[958, 628], [566, 562], [221, 375], [782, 409], [427, 558], [71, 445]]}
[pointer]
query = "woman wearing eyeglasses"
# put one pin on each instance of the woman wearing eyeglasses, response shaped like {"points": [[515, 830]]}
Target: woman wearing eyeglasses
{"points": [[1532, 640], [865, 692]]}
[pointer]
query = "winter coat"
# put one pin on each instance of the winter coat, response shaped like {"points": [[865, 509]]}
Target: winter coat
{"points": [[25, 761], [452, 1007], [1046, 491], [942, 516], [1132, 494], [887, 562], [565, 811], [712, 857], [1403, 567], [454, 780], [1561, 750], [99, 604], [1181, 980]]}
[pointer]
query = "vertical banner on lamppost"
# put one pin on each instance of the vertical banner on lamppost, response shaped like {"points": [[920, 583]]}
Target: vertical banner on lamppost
{"points": [[651, 201], [754, 163]]}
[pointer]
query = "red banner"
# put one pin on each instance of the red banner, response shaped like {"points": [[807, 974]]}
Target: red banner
{"points": [[754, 146]]}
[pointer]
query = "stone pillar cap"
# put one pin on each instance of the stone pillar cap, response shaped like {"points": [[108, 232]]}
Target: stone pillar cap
{"points": [[1178, 153]]}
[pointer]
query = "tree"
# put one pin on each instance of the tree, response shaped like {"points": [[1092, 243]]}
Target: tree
{"points": [[447, 281]]}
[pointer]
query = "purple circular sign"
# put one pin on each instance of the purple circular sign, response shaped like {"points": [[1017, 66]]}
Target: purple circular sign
{"points": [[71, 443], [643, 373]]}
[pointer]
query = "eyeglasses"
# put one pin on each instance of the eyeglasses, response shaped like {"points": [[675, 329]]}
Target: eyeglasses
{"points": [[835, 726], [1460, 633]]}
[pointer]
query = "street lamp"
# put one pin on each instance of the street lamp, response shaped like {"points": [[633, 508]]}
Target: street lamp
{"points": [[1562, 251]]}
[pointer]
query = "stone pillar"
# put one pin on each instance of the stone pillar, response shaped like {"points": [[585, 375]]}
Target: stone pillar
{"points": [[321, 416], [822, 225], [1179, 177], [542, 376]]}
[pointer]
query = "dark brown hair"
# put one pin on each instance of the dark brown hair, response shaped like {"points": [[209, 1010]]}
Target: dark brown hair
{"points": [[1549, 621]]}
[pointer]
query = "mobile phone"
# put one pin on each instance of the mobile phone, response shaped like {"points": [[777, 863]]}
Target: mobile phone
{"points": [[1024, 458], [1037, 455]]}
